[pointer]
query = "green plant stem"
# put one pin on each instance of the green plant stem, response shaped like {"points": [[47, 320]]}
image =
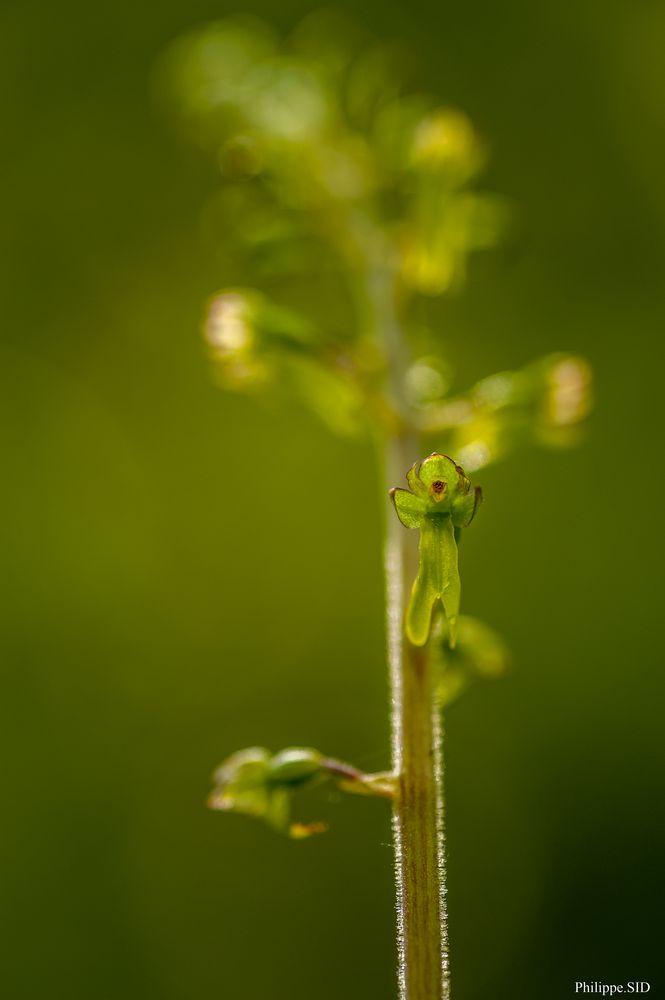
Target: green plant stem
{"points": [[418, 818], [418, 828]]}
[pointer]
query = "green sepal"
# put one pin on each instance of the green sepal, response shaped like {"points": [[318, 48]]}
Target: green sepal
{"points": [[436, 467]]}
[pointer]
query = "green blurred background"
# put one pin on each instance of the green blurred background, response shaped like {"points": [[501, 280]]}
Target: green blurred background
{"points": [[159, 613]]}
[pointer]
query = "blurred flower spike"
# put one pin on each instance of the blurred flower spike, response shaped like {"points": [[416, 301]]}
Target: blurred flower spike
{"points": [[441, 500], [323, 125], [479, 652], [339, 174], [258, 783]]}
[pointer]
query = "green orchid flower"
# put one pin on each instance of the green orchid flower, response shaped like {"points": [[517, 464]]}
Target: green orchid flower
{"points": [[258, 783], [441, 500]]}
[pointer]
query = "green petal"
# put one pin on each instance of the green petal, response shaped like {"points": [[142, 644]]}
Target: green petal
{"points": [[410, 509], [415, 483]]}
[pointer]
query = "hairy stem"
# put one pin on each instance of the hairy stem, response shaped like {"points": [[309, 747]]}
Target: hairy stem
{"points": [[418, 827], [418, 831]]}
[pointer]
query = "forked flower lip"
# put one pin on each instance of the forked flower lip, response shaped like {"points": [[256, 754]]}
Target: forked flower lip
{"points": [[439, 502]]}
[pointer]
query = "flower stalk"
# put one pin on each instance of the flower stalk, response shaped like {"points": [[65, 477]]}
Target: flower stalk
{"points": [[423, 969], [369, 189], [418, 826]]}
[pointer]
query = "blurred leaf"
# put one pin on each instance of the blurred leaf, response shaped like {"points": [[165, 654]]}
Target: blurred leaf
{"points": [[480, 652]]}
